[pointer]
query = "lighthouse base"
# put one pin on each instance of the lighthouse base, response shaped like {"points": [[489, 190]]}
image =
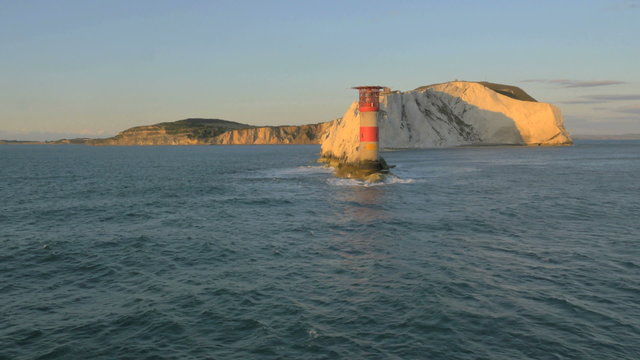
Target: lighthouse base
{"points": [[365, 170]]}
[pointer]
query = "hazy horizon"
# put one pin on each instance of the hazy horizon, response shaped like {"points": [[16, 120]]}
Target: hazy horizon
{"points": [[78, 69], [52, 136]]}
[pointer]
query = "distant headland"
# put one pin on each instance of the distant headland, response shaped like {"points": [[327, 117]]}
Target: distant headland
{"points": [[198, 131], [209, 132]]}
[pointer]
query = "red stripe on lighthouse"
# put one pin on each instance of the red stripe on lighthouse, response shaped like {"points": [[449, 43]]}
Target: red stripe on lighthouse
{"points": [[367, 107], [368, 133]]}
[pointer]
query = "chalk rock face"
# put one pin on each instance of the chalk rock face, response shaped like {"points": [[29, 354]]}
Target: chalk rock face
{"points": [[452, 114], [303, 134]]}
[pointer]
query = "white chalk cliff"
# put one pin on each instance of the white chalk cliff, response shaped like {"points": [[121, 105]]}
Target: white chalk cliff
{"points": [[452, 114]]}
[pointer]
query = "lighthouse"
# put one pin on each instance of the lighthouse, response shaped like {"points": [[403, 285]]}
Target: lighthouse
{"points": [[368, 105], [361, 159]]}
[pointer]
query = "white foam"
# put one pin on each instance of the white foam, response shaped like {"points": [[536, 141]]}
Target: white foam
{"points": [[314, 169], [291, 172], [387, 180]]}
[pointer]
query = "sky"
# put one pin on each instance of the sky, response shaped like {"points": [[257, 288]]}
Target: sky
{"points": [[72, 68]]}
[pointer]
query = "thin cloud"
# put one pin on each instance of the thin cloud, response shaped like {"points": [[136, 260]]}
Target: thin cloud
{"points": [[599, 99], [570, 102], [614, 97], [625, 5], [633, 109], [568, 83]]}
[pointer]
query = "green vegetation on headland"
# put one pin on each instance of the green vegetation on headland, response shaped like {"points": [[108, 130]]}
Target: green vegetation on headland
{"points": [[182, 132], [197, 128]]}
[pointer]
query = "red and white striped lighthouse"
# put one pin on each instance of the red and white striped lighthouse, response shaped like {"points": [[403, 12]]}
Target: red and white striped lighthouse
{"points": [[368, 107]]}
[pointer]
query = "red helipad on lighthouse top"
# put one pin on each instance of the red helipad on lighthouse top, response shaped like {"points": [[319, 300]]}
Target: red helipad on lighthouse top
{"points": [[368, 97]]}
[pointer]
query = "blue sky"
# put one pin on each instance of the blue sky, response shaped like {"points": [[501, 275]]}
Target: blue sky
{"points": [[98, 67]]}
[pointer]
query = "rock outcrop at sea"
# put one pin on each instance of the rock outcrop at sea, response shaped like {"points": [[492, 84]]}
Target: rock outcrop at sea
{"points": [[451, 114]]}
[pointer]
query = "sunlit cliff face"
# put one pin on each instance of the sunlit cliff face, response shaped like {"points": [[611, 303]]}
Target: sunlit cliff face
{"points": [[450, 114]]}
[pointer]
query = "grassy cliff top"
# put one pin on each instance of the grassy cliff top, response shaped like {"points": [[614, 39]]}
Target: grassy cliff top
{"points": [[197, 123], [511, 91], [193, 128]]}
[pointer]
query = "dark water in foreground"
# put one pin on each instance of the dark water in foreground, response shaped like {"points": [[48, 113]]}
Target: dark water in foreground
{"points": [[255, 252]]}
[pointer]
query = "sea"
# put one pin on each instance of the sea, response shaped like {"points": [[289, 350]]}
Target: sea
{"points": [[259, 252]]}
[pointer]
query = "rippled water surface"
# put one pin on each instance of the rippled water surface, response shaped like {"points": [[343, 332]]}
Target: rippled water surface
{"points": [[244, 252]]}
